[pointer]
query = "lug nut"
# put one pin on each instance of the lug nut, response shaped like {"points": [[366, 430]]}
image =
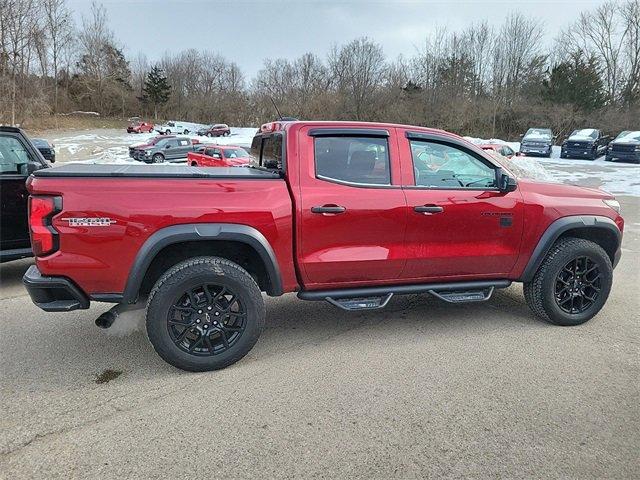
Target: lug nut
{"points": [[198, 321], [199, 311], [208, 308], [217, 313]]}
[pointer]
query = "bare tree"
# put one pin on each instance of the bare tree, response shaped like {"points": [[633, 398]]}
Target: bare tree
{"points": [[358, 69], [59, 28], [601, 33]]}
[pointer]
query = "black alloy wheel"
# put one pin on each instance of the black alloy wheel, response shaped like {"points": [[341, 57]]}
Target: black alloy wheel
{"points": [[206, 320], [578, 285]]}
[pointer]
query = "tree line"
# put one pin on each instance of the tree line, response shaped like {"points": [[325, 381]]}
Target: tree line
{"points": [[483, 80]]}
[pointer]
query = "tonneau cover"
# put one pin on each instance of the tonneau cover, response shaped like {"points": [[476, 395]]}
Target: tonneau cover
{"points": [[154, 171]]}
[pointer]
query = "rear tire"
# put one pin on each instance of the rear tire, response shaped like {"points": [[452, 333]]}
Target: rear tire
{"points": [[554, 290], [192, 338]]}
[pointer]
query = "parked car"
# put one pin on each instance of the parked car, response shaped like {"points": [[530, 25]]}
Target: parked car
{"points": [[348, 212], [589, 143], [625, 148], [18, 159], [217, 130], [504, 150], [136, 150], [167, 149], [537, 142], [219, 156], [140, 127], [174, 127], [45, 148]]}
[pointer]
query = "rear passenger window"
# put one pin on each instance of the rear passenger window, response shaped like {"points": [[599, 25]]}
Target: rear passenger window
{"points": [[360, 160], [272, 152]]}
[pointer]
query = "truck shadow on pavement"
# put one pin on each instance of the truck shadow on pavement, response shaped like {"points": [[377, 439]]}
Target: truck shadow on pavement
{"points": [[71, 343]]}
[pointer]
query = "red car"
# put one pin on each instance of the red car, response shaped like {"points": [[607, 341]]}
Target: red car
{"points": [[219, 156], [504, 150], [140, 127], [351, 213], [217, 130]]}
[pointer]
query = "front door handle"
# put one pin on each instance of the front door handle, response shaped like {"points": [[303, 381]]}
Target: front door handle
{"points": [[333, 209], [428, 209]]}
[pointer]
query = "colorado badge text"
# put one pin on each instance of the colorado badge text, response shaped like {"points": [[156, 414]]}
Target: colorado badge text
{"points": [[89, 222]]}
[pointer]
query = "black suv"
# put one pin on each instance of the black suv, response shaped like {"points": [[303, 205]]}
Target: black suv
{"points": [[46, 149], [589, 143], [18, 159], [538, 142]]}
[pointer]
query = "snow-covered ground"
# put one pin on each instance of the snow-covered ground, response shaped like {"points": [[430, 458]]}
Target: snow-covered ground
{"points": [[111, 146], [616, 178]]}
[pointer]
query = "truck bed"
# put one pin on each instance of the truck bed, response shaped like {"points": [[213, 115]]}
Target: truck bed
{"points": [[154, 171]]}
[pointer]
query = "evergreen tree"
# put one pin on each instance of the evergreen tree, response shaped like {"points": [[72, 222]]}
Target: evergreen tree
{"points": [[577, 82], [156, 89]]}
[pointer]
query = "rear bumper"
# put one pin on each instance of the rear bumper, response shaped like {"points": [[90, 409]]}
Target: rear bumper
{"points": [[54, 294]]}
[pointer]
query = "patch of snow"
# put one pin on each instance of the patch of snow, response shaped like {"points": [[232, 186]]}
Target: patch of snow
{"points": [[629, 137], [613, 177], [585, 134]]}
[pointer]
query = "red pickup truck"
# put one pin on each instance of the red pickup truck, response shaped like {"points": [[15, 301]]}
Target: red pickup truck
{"points": [[219, 156], [346, 212]]}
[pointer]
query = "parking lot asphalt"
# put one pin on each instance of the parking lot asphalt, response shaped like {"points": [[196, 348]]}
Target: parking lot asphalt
{"points": [[420, 389]]}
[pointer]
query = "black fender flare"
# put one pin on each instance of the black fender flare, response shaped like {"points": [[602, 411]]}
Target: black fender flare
{"points": [[202, 232], [560, 226]]}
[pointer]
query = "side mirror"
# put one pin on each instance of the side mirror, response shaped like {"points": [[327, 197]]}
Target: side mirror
{"points": [[32, 167], [168, 146], [505, 182]]}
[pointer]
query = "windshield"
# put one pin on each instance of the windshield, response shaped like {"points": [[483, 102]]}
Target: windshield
{"points": [[538, 134], [585, 133], [235, 153], [155, 140], [629, 136]]}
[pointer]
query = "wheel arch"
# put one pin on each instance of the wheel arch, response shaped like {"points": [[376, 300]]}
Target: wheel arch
{"points": [[598, 229], [190, 240]]}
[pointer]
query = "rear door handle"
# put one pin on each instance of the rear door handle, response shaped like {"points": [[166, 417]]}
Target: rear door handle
{"points": [[335, 209], [429, 209]]}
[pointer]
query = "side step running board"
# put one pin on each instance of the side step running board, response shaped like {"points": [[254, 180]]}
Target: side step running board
{"points": [[371, 298], [370, 303], [464, 296]]}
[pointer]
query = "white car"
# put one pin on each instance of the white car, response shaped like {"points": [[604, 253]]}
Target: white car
{"points": [[182, 128]]}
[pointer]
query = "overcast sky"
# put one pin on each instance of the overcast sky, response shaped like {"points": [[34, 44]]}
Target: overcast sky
{"points": [[247, 31]]}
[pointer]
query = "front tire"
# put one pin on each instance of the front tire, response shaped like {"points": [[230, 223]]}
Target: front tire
{"points": [[572, 284], [204, 314], [158, 158]]}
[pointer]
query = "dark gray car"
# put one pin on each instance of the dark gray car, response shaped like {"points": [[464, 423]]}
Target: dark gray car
{"points": [[167, 149], [537, 141]]}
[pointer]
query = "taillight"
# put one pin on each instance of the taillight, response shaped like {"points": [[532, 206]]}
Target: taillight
{"points": [[44, 238]]}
